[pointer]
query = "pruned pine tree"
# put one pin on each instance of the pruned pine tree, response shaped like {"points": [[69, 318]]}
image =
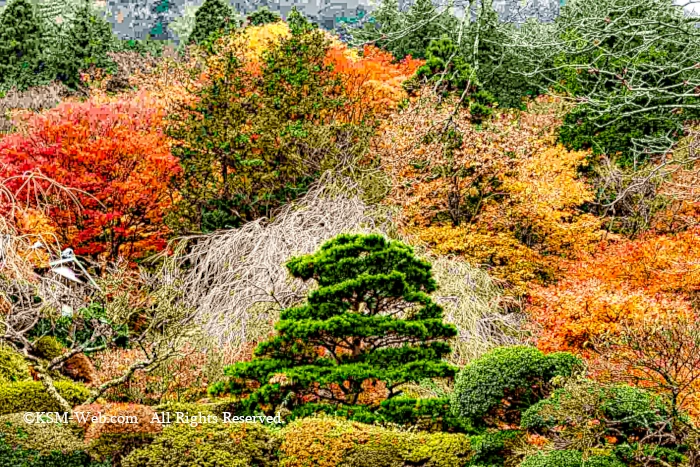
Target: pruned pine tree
{"points": [[370, 318]]}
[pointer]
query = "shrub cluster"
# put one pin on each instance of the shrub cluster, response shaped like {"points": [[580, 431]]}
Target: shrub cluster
{"points": [[506, 381], [30, 396]]}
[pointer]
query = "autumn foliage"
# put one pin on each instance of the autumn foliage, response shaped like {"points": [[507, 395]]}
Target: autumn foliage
{"points": [[504, 195], [624, 281], [115, 157]]}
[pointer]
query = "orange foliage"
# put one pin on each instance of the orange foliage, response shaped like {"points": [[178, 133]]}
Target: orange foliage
{"points": [[110, 420], [623, 281], [506, 197], [115, 154], [372, 82]]}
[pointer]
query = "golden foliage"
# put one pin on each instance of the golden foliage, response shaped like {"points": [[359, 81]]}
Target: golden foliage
{"points": [[506, 197]]}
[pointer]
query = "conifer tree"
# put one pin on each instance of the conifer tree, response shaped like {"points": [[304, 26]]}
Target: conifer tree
{"points": [[212, 16], [20, 44], [263, 16], [85, 43], [371, 318]]}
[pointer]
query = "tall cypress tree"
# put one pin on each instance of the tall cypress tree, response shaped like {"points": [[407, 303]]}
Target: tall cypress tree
{"points": [[20, 44], [371, 318], [211, 17]]}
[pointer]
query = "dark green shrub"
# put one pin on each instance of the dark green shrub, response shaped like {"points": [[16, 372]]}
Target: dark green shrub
{"points": [[263, 16], [631, 408], [210, 445], [42, 444], [492, 447], [365, 284], [446, 65], [84, 44], [30, 396], [480, 106], [569, 459], [584, 414], [520, 375], [13, 366]]}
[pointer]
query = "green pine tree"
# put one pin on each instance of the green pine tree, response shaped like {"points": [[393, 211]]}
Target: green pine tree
{"points": [[20, 45], [371, 318], [86, 43], [263, 16], [211, 17]]}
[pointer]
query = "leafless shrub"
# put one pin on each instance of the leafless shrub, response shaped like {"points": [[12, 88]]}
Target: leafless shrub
{"points": [[34, 99], [237, 281]]}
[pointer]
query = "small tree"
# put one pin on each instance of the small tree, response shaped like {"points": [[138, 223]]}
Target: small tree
{"points": [[663, 356], [20, 44], [370, 319], [85, 44], [211, 17]]}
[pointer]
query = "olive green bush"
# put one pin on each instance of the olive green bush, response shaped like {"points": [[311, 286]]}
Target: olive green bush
{"points": [[425, 414], [208, 445], [330, 442], [519, 375], [48, 347], [13, 366], [44, 438], [569, 459], [30, 396]]}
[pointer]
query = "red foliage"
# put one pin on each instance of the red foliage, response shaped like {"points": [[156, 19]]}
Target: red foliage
{"points": [[117, 156]]}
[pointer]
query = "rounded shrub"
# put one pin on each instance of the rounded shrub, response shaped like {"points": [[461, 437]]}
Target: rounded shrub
{"points": [[210, 445], [520, 375], [13, 366], [48, 347], [44, 438], [121, 429], [31, 396]]}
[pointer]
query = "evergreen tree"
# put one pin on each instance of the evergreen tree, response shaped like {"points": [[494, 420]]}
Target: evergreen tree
{"points": [[20, 45], [86, 43], [268, 135], [211, 17], [371, 318], [263, 16]]}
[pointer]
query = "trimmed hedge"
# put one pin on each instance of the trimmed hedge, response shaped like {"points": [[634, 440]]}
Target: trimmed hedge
{"points": [[508, 371], [13, 366], [42, 444], [316, 441], [208, 445], [569, 459], [424, 414], [30, 396], [331, 442]]}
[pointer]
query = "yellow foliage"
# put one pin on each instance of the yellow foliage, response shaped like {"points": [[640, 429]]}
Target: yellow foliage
{"points": [[507, 197]]}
